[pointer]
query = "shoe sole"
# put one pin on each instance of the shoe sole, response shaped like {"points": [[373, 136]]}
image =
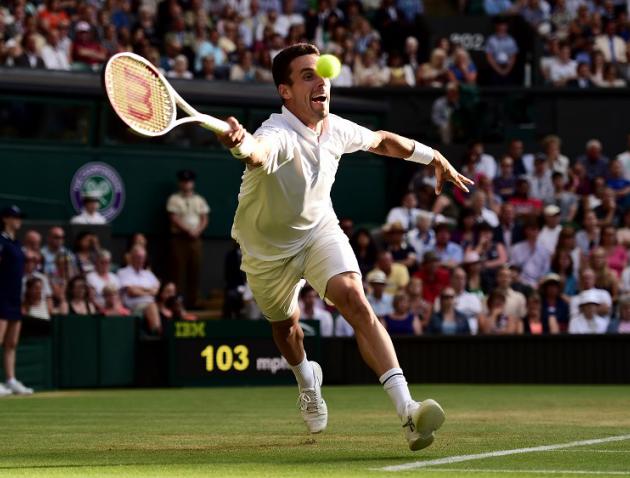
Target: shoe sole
{"points": [[428, 418]]}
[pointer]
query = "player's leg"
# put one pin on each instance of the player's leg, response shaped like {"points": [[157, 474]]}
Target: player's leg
{"points": [[10, 343], [276, 286], [332, 269]]}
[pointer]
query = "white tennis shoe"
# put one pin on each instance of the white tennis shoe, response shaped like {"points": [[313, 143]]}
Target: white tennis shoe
{"points": [[420, 421], [18, 387], [312, 406], [4, 391]]}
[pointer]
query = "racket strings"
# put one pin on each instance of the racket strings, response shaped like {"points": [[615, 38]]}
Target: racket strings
{"points": [[139, 96]]}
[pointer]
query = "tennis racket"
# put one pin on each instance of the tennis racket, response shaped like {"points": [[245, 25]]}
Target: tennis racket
{"points": [[145, 100]]}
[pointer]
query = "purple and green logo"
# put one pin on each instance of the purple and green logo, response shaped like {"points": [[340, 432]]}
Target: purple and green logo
{"points": [[100, 180]]}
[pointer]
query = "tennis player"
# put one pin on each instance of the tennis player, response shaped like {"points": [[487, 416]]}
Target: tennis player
{"points": [[289, 233]]}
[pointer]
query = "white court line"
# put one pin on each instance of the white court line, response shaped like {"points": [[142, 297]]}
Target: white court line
{"points": [[537, 472], [492, 454], [594, 450]]}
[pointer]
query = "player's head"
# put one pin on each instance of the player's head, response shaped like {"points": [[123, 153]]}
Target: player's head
{"points": [[303, 91]]}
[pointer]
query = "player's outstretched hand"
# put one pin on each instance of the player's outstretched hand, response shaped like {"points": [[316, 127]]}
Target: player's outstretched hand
{"points": [[444, 171], [235, 136]]}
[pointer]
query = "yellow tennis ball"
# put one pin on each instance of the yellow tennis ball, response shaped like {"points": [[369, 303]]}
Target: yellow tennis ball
{"points": [[328, 66]]}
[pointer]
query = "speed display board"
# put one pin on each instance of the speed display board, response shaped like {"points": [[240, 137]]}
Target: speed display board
{"points": [[231, 352]]}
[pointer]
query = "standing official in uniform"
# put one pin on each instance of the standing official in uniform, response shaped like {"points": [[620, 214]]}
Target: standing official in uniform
{"points": [[11, 271], [188, 215]]}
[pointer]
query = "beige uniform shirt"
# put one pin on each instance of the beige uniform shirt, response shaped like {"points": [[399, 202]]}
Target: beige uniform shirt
{"points": [[188, 208]]}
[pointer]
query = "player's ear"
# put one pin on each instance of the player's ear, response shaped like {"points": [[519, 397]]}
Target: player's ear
{"points": [[285, 91]]}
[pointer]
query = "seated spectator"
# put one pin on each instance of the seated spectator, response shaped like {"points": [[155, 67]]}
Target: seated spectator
{"points": [[588, 237], [553, 305], [54, 247], [53, 53], [587, 284], [397, 72], [611, 78], [478, 202], [548, 235], [607, 212], [417, 304], [466, 303], [442, 112], [497, 322], [89, 212], [397, 274], [79, 302], [540, 185], [529, 255], [524, 204], [499, 7], [621, 325], [501, 51], [562, 265], [561, 17], [476, 281], [364, 249], [34, 303], [562, 68], [583, 77], [31, 262], [32, 242], [605, 278], [402, 321], [137, 239], [624, 158], [616, 254], [180, 69], [367, 71], [534, 323], [448, 252], [491, 252], [587, 321], [619, 183], [515, 302], [53, 13], [448, 321], [536, 13], [623, 234], [435, 72], [434, 278], [594, 162], [464, 234], [101, 276], [86, 51], [244, 70], [508, 232], [422, 238], [86, 247], [462, 70], [505, 182], [612, 46], [139, 287], [112, 306], [310, 309], [381, 301], [402, 253], [565, 200], [407, 213], [30, 58]]}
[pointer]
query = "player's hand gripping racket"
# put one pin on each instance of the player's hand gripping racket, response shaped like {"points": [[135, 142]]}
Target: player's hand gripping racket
{"points": [[145, 100]]}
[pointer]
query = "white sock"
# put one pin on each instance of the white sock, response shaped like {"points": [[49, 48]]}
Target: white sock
{"points": [[395, 385], [304, 374], [11, 381]]}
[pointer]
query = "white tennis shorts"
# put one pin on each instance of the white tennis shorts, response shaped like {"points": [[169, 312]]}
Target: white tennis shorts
{"points": [[276, 284]]}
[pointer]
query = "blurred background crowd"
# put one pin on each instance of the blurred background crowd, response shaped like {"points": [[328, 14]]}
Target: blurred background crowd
{"points": [[379, 42]]}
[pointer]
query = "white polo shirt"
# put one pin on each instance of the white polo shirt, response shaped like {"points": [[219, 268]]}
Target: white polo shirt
{"points": [[130, 277], [282, 202]]}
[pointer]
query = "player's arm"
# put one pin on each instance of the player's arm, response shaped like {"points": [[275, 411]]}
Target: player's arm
{"points": [[252, 151], [395, 146]]}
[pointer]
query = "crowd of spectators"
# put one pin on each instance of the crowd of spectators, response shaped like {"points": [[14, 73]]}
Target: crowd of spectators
{"points": [[540, 245], [378, 41]]}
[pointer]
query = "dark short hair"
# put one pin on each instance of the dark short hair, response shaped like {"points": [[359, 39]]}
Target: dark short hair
{"points": [[281, 68]]}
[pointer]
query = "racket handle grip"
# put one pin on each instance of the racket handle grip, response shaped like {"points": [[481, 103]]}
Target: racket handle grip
{"points": [[213, 124]]}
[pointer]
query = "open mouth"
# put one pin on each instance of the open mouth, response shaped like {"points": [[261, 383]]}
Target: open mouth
{"points": [[321, 99]]}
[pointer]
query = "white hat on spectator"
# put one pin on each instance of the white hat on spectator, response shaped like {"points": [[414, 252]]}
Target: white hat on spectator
{"points": [[589, 297], [377, 277], [83, 27], [552, 210]]}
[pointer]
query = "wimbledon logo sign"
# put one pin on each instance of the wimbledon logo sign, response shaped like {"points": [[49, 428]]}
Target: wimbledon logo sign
{"points": [[102, 180]]}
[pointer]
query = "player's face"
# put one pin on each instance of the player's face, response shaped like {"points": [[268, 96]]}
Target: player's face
{"points": [[309, 95]]}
